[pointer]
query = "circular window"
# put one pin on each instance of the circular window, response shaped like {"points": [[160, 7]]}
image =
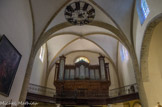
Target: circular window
{"points": [[84, 59], [79, 13]]}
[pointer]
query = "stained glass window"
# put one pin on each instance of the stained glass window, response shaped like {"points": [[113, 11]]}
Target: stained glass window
{"points": [[82, 59]]}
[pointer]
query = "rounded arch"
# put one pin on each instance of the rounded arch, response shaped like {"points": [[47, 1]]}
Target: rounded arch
{"points": [[47, 35], [107, 57], [53, 60], [93, 52], [144, 74], [145, 46], [51, 64], [83, 36]]}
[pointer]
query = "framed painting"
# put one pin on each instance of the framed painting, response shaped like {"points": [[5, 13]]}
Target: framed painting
{"points": [[9, 61]]}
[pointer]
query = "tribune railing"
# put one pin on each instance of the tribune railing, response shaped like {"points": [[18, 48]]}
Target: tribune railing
{"points": [[40, 90], [126, 90]]}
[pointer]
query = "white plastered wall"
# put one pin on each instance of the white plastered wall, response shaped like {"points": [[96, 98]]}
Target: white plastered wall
{"points": [[43, 10], [121, 15], [56, 43], [16, 24], [108, 43], [113, 76], [99, 16], [50, 79], [125, 68], [154, 86], [39, 69]]}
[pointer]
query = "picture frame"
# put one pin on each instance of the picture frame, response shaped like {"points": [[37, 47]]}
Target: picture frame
{"points": [[9, 62]]}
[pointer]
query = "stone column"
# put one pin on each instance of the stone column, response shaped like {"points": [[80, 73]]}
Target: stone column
{"points": [[62, 67], [102, 67]]}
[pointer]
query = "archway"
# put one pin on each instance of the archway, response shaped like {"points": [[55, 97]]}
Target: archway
{"points": [[32, 59], [49, 34], [151, 56]]}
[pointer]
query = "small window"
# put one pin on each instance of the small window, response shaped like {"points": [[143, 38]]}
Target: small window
{"points": [[41, 55], [82, 59], [123, 53], [143, 10]]}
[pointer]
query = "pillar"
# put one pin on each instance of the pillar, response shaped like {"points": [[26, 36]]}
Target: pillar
{"points": [[102, 67], [61, 67]]}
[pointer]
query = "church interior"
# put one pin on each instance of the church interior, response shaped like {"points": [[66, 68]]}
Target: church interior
{"points": [[81, 53]]}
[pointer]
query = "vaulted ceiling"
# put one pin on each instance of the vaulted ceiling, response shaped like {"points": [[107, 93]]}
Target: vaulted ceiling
{"points": [[112, 24]]}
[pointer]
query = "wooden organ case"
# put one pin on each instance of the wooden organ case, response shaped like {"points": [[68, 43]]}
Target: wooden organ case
{"points": [[82, 80]]}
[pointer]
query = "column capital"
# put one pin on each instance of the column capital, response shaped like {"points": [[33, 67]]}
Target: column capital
{"points": [[62, 57], [101, 57]]}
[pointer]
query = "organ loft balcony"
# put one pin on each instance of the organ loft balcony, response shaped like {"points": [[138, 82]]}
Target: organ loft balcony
{"points": [[82, 84], [82, 80]]}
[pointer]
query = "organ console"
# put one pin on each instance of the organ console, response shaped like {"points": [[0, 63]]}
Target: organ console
{"points": [[82, 80]]}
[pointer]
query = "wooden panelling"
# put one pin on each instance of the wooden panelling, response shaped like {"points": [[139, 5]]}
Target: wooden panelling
{"points": [[82, 84]]}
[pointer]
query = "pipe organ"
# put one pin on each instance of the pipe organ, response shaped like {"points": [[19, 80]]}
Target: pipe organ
{"points": [[82, 79]]}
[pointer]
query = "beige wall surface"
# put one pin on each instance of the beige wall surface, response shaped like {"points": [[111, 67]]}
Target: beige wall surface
{"points": [[138, 29], [16, 24], [153, 87]]}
